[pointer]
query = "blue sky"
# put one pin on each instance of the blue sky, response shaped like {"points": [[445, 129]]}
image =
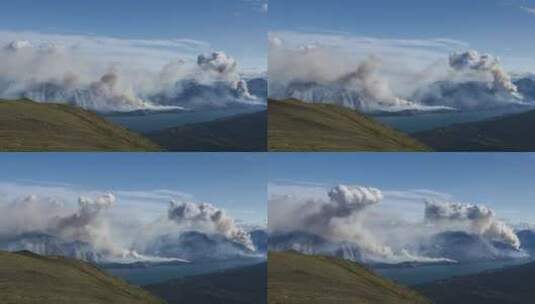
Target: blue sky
{"points": [[218, 179], [503, 181], [500, 27], [237, 27]]}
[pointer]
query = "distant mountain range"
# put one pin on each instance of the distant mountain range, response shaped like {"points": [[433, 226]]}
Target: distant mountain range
{"points": [[437, 96], [197, 246], [294, 278], [27, 278], [244, 285], [45, 244], [298, 126], [465, 248], [526, 87], [190, 246], [457, 246]]}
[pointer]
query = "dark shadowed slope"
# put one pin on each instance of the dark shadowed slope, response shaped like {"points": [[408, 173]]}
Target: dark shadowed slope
{"points": [[31, 126], [26, 278], [245, 285], [512, 285], [294, 278], [508, 133], [299, 126], [243, 133]]}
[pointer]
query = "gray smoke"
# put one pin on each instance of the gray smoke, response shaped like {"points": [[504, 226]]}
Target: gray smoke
{"points": [[477, 219], [342, 219], [317, 74], [485, 63], [349, 219], [207, 218], [218, 63], [324, 72], [49, 73], [95, 233]]}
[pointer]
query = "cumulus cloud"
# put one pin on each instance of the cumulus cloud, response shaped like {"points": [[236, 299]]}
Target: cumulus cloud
{"points": [[88, 72]]}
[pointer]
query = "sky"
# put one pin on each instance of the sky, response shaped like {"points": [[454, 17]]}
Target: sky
{"points": [[143, 181], [237, 27], [499, 27], [502, 181]]}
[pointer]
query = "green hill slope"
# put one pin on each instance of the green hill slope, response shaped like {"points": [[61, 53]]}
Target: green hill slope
{"points": [[508, 133], [244, 285], [31, 126], [294, 278], [299, 126], [244, 133], [26, 278], [512, 285]]}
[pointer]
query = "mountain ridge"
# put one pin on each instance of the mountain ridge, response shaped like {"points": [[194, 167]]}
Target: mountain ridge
{"points": [[294, 278], [28, 278], [298, 126], [26, 125]]}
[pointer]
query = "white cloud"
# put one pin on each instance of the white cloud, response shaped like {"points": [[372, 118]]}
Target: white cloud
{"points": [[145, 53], [529, 10], [416, 52], [258, 5], [145, 205]]}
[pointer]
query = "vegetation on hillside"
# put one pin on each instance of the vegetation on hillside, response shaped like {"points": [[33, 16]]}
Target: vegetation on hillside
{"points": [[297, 126], [31, 126], [27, 278], [294, 279]]}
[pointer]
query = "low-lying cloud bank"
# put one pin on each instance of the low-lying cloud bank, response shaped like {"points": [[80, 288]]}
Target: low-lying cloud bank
{"points": [[188, 232], [347, 223], [66, 73], [389, 75]]}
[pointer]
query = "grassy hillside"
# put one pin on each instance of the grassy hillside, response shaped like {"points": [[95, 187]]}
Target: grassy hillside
{"points": [[508, 133], [512, 285], [245, 285], [294, 278], [31, 126], [245, 133], [299, 126], [26, 278]]}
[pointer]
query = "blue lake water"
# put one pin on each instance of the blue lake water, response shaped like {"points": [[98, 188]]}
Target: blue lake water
{"points": [[162, 273], [422, 274], [427, 121], [158, 121]]}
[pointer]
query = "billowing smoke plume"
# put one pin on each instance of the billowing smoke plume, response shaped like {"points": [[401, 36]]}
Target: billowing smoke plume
{"points": [[94, 233], [207, 218], [317, 74], [49, 73], [349, 222], [340, 223], [218, 63], [475, 82], [387, 80], [474, 218], [486, 63]]}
